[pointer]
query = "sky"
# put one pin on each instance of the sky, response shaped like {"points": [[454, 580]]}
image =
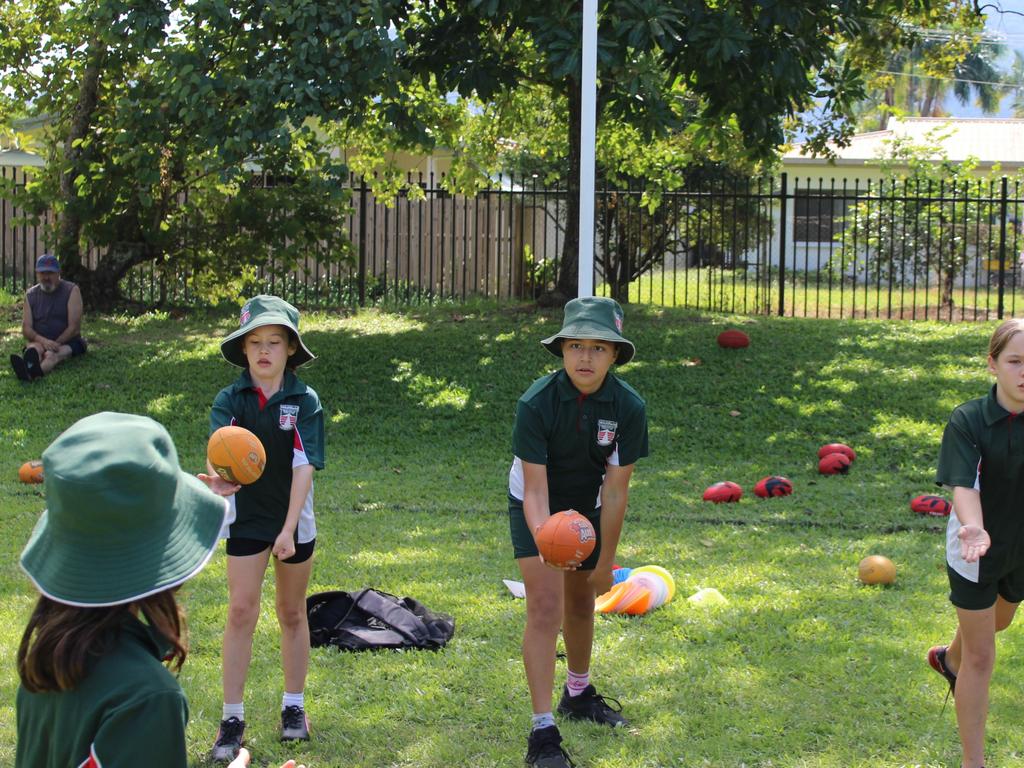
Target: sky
{"points": [[1009, 28]]}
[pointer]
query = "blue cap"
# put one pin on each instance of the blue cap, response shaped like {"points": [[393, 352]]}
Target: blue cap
{"points": [[47, 263]]}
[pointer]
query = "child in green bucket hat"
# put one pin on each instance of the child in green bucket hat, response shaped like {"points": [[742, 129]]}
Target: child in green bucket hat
{"points": [[124, 527], [271, 518], [578, 433]]}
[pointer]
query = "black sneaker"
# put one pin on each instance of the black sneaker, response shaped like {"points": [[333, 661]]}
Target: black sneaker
{"points": [[590, 705], [229, 740], [35, 370], [544, 749], [294, 724], [937, 661], [20, 369]]}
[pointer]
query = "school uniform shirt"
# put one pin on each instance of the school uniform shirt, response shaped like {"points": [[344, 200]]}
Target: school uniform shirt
{"points": [[291, 427], [983, 448], [576, 436], [128, 711]]}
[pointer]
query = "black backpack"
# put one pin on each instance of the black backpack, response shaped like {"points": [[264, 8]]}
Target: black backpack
{"points": [[370, 619]]}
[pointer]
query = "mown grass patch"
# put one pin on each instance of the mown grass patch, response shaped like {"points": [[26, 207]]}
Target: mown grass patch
{"points": [[803, 667]]}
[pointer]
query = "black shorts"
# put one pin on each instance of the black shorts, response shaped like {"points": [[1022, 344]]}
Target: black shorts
{"points": [[78, 346], [524, 545], [972, 596], [238, 547]]}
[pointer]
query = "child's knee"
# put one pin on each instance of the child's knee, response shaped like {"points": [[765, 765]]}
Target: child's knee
{"points": [[544, 612], [243, 613], [981, 658], [579, 609], [291, 616]]}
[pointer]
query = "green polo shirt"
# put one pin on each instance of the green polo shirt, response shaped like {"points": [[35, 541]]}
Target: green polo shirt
{"points": [[128, 711], [983, 448], [291, 427], [577, 436]]}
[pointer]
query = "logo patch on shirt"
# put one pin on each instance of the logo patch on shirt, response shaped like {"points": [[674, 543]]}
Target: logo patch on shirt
{"points": [[606, 431], [288, 417], [244, 317]]}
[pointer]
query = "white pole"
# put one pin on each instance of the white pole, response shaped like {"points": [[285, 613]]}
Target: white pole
{"points": [[588, 115]]}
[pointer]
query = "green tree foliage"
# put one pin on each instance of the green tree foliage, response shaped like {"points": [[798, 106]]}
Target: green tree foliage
{"points": [[927, 219], [927, 56], [727, 75], [1014, 86], [179, 131]]}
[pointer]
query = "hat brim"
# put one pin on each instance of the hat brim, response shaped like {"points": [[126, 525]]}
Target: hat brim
{"points": [[626, 348], [108, 570], [232, 350]]}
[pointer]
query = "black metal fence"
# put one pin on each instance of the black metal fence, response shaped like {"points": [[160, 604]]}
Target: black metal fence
{"points": [[787, 246]]}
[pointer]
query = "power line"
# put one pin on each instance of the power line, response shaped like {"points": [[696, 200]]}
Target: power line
{"points": [[950, 79]]}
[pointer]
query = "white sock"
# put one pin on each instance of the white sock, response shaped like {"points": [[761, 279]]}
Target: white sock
{"points": [[543, 720], [576, 683], [234, 710], [293, 700]]}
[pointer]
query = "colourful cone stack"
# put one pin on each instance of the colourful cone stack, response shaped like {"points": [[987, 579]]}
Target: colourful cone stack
{"points": [[643, 590]]}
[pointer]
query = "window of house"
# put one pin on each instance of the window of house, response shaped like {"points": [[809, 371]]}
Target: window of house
{"points": [[817, 216]]}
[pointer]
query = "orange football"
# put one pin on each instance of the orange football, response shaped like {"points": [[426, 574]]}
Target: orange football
{"points": [[31, 472], [566, 538], [236, 454]]}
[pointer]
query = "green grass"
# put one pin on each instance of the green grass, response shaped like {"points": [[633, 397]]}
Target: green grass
{"points": [[803, 667]]}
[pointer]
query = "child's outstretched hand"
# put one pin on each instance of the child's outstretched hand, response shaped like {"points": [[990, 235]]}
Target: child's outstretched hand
{"points": [[218, 484], [242, 760], [974, 542]]}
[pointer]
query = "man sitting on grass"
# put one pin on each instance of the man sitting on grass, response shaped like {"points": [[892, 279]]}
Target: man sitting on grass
{"points": [[51, 322]]}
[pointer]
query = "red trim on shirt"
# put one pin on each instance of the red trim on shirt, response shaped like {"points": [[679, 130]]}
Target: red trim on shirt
{"points": [[92, 761]]}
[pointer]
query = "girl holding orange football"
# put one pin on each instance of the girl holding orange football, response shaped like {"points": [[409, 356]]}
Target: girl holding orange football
{"points": [[272, 516], [578, 433], [123, 529], [982, 460]]}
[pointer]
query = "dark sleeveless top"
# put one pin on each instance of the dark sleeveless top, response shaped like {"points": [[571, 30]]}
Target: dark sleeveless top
{"points": [[50, 310]]}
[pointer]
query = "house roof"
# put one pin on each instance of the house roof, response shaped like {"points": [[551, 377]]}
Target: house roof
{"points": [[19, 158], [991, 140]]}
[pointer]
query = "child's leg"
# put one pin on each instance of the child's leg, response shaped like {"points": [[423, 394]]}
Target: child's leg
{"points": [[1004, 617], [543, 620], [292, 581], [578, 621], [977, 635], [245, 578]]}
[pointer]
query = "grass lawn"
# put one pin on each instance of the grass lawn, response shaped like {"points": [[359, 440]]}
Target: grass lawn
{"points": [[803, 667]]}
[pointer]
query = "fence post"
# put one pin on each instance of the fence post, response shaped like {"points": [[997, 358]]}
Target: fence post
{"points": [[362, 241], [1002, 246], [784, 192]]}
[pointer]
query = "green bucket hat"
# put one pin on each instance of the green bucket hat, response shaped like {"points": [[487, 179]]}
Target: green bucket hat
{"points": [[257, 312], [592, 317], [123, 521]]}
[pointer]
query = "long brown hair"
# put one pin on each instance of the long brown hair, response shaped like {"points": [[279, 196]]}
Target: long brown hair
{"points": [[60, 640]]}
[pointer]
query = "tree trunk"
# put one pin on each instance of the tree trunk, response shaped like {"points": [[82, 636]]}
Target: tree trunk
{"points": [[948, 284], [101, 286], [568, 269], [70, 227]]}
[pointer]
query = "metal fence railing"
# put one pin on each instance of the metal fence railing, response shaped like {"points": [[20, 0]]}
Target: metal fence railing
{"points": [[787, 246]]}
